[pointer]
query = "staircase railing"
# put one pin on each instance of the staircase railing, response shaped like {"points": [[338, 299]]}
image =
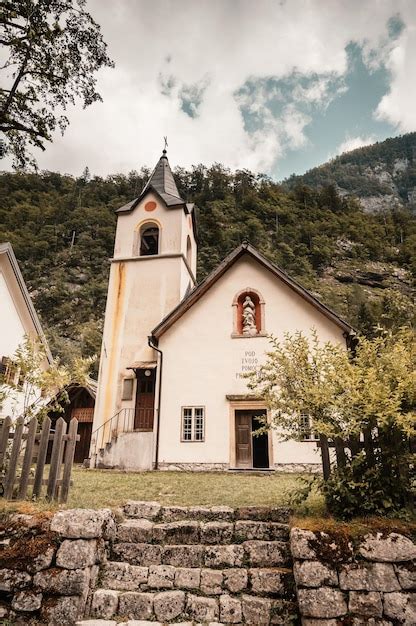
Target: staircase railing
{"points": [[124, 421]]}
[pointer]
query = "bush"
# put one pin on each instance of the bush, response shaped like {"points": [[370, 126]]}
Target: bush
{"points": [[358, 490]]}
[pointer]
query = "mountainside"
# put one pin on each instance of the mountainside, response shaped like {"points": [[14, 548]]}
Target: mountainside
{"points": [[363, 264], [382, 176]]}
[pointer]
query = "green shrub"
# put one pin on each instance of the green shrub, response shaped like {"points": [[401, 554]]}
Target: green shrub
{"points": [[358, 490]]}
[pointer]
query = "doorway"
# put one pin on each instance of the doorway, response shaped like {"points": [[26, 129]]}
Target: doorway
{"points": [[251, 452], [145, 399]]}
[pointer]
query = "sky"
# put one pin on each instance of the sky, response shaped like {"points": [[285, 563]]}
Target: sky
{"points": [[274, 86]]}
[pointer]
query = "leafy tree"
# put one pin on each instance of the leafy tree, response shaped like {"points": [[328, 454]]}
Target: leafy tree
{"points": [[368, 395], [40, 383], [53, 49]]}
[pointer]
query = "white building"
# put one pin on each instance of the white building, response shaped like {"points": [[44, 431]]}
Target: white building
{"points": [[18, 319], [171, 390]]}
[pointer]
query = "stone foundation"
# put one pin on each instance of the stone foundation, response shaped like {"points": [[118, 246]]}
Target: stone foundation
{"points": [[290, 468], [299, 468], [193, 467]]}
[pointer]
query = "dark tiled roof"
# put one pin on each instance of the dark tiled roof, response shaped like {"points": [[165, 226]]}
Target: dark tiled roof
{"points": [[162, 182]]}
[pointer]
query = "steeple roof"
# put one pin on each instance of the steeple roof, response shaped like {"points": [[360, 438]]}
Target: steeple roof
{"points": [[161, 182]]}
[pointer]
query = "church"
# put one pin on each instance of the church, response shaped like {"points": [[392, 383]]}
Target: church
{"points": [[171, 389]]}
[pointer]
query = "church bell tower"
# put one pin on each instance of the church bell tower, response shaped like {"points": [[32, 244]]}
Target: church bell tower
{"points": [[153, 268]]}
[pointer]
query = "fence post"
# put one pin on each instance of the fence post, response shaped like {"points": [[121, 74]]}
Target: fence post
{"points": [[55, 458], [4, 438], [43, 449], [11, 472], [27, 460], [69, 459]]}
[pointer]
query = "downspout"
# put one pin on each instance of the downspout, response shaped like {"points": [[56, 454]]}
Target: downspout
{"points": [[150, 341]]}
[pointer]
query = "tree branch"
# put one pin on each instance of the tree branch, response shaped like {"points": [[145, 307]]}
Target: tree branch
{"points": [[15, 84]]}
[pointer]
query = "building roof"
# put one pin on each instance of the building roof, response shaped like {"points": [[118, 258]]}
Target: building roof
{"points": [[162, 183], [6, 250], [224, 266]]}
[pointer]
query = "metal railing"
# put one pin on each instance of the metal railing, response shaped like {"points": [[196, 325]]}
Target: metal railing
{"points": [[124, 421]]}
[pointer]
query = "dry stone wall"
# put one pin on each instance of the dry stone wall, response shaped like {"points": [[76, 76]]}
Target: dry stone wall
{"points": [[49, 567], [368, 581], [154, 565]]}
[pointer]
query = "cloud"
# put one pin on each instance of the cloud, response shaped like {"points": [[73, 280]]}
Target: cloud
{"points": [[352, 143], [398, 106], [183, 69]]}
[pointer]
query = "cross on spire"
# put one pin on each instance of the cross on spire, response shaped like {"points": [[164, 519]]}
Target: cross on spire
{"points": [[166, 145]]}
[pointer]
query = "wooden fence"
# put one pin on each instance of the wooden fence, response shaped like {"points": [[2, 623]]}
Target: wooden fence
{"points": [[28, 452]]}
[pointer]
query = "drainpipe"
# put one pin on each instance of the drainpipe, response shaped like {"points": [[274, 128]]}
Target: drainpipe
{"points": [[152, 344]]}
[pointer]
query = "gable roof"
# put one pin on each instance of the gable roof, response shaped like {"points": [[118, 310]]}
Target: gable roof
{"points": [[6, 250], [162, 183], [224, 266]]}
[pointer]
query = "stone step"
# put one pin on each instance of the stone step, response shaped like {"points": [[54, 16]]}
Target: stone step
{"points": [[252, 553], [158, 513], [142, 530], [264, 581], [175, 605]]}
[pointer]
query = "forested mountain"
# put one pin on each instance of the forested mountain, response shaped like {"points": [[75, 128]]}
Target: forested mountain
{"points": [[62, 230], [382, 175]]}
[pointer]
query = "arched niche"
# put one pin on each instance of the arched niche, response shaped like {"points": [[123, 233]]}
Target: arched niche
{"points": [[238, 310]]}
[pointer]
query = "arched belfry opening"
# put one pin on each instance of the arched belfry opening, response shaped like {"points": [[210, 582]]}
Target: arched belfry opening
{"points": [[149, 240]]}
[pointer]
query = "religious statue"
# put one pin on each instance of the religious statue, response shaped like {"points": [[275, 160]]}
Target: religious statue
{"points": [[249, 317]]}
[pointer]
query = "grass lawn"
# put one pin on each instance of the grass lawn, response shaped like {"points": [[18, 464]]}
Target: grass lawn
{"points": [[109, 488]]}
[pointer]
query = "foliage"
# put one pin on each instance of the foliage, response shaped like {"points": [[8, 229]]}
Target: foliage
{"points": [[358, 172], [369, 392], [40, 383], [53, 49], [62, 231], [361, 489], [301, 376]]}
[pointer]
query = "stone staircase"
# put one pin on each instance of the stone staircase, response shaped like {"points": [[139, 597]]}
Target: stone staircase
{"points": [[196, 566]]}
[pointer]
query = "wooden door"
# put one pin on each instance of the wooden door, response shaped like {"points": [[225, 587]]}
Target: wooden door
{"points": [[145, 400], [82, 448], [243, 439]]}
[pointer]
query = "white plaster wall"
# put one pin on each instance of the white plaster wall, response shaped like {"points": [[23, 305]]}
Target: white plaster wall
{"points": [[141, 292], [11, 327], [202, 363], [15, 323], [12, 333], [131, 451]]}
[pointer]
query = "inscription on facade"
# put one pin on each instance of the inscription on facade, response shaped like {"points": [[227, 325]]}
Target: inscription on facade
{"points": [[249, 363]]}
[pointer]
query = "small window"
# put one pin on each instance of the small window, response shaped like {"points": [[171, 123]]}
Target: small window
{"points": [[149, 240], [306, 428], [127, 393], [193, 423]]}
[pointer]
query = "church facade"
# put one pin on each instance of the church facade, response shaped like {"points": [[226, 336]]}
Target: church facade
{"points": [[172, 391]]}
